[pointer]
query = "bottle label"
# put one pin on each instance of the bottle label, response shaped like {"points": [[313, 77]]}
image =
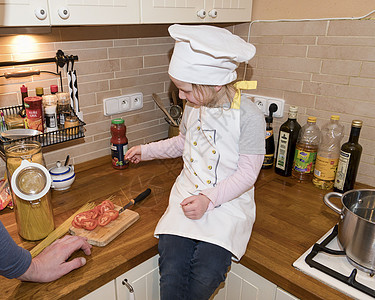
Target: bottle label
{"points": [[304, 161], [268, 160], [325, 168], [282, 150], [118, 154], [342, 169], [269, 133], [51, 120]]}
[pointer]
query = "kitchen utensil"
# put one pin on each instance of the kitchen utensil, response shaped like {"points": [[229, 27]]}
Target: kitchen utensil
{"points": [[75, 91], [356, 225], [102, 236], [158, 102], [140, 197], [13, 134], [62, 176], [59, 231], [66, 160], [175, 112]]}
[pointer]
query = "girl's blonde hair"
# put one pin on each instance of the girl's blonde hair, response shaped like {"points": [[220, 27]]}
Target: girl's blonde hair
{"points": [[210, 97]]}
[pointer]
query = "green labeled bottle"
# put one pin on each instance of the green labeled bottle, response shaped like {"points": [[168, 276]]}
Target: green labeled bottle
{"points": [[350, 155], [287, 140], [306, 149]]}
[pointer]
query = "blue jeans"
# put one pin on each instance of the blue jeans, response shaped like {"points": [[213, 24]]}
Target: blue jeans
{"points": [[190, 269]]}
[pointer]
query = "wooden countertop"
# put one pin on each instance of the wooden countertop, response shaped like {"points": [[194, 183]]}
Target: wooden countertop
{"points": [[291, 217]]}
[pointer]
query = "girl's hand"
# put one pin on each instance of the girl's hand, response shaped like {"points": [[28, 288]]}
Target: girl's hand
{"points": [[194, 207], [134, 154]]}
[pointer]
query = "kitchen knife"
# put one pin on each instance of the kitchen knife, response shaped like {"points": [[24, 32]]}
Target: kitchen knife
{"points": [[140, 197]]}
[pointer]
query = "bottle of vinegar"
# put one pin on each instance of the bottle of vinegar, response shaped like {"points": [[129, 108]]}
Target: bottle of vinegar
{"points": [[328, 154], [270, 145], [288, 135], [350, 156], [306, 149]]}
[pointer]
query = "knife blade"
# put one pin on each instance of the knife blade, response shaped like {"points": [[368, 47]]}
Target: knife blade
{"points": [[140, 197]]}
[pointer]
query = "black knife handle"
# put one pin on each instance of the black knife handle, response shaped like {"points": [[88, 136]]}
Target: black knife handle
{"points": [[142, 195]]}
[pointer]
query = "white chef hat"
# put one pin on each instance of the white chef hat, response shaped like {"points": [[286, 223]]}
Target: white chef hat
{"points": [[206, 54]]}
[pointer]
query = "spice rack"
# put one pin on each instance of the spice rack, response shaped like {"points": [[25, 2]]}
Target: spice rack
{"points": [[47, 138]]}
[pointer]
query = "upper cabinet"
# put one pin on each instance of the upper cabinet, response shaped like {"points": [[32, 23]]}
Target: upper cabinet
{"points": [[195, 11], [24, 13], [117, 12], [93, 12]]}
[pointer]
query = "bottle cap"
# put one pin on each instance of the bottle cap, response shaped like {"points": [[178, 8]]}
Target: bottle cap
{"points": [[357, 123], [335, 117], [54, 89], [118, 121], [23, 89], [49, 100], [311, 119], [293, 109], [39, 91]]}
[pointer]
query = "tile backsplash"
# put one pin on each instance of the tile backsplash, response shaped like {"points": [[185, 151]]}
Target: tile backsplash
{"points": [[323, 67]]}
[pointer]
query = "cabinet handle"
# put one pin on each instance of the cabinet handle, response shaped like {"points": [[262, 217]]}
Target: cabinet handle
{"points": [[212, 13], [64, 13], [40, 13], [130, 288], [201, 13]]}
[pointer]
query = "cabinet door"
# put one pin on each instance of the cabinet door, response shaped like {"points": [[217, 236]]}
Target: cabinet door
{"points": [[171, 11], [107, 292], [195, 11], [228, 10], [94, 12], [24, 13], [144, 279]]}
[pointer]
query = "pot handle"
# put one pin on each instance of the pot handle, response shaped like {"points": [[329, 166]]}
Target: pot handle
{"points": [[330, 204]]}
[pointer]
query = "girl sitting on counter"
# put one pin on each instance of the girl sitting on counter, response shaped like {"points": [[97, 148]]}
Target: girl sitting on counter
{"points": [[222, 141]]}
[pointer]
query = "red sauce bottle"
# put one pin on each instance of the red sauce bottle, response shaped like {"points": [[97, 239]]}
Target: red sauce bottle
{"points": [[119, 144]]}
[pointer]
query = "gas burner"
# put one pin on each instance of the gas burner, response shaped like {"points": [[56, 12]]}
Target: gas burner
{"points": [[327, 262]]}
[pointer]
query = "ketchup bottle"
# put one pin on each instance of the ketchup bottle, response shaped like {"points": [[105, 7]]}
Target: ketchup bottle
{"points": [[119, 144]]}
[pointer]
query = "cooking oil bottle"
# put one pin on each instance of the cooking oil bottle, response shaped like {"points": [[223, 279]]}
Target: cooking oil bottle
{"points": [[328, 154], [306, 149]]}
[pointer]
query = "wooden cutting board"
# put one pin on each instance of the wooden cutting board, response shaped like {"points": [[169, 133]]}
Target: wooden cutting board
{"points": [[102, 236]]}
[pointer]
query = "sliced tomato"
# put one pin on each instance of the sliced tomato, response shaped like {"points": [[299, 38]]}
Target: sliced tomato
{"points": [[76, 225], [113, 213], [79, 217], [89, 224], [105, 207], [104, 219], [110, 203], [92, 213]]}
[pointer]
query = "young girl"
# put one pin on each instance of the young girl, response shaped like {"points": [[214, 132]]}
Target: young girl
{"points": [[211, 206]]}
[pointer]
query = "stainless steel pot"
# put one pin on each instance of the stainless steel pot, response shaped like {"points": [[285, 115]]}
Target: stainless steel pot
{"points": [[356, 229]]}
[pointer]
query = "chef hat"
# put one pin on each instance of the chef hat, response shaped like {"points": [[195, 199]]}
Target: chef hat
{"points": [[206, 54]]}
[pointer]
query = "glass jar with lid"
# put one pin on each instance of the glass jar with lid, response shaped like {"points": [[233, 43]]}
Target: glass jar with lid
{"points": [[30, 189]]}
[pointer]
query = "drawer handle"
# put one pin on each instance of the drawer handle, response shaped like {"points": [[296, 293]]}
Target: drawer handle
{"points": [[130, 288], [201, 13], [40, 13], [213, 13]]}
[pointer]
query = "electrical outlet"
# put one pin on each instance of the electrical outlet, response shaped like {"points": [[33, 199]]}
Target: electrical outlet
{"points": [[280, 107], [261, 103], [120, 104]]}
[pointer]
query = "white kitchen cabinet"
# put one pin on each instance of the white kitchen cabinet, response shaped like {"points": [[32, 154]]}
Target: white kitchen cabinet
{"points": [[144, 279], [107, 292], [283, 295], [195, 11], [94, 12], [24, 13]]}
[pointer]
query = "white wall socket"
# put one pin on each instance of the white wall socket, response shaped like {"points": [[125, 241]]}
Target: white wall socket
{"points": [[124, 103], [264, 103]]}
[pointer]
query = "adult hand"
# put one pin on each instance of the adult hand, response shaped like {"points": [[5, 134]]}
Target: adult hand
{"points": [[195, 206], [52, 263], [134, 154]]}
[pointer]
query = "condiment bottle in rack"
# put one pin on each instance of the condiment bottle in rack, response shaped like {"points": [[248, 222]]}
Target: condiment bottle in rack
{"points": [[269, 157], [328, 154], [39, 91], [350, 155], [306, 149], [54, 89], [119, 144], [50, 104], [287, 140]]}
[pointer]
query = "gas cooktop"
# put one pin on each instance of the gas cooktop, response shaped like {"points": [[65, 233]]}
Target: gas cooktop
{"points": [[327, 262]]}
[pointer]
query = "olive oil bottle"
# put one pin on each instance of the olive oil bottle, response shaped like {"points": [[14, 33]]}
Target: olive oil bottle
{"points": [[286, 146], [350, 156]]}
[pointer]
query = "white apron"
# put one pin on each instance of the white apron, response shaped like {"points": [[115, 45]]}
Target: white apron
{"points": [[210, 155]]}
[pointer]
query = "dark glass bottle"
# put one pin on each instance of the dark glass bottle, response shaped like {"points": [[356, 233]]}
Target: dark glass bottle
{"points": [[286, 147], [350, 156], [270, 145]]}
